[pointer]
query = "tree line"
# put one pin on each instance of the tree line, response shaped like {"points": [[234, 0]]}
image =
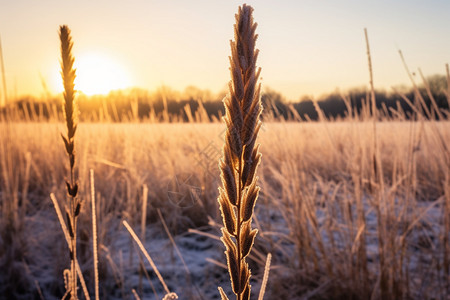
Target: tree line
{"points": [[200, 105]]}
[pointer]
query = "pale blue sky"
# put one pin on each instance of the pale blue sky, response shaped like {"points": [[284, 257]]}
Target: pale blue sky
{"points": [[306, 47]]}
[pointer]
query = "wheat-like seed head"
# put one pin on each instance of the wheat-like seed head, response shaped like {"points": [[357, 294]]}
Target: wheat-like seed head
{"points": [[241, 157], [68, 76], [70, 109], [74, 204]]}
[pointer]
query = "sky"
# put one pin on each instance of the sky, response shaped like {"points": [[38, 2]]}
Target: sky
{"points": [[307, 47]]}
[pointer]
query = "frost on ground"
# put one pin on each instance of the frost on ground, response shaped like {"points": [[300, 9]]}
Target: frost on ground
{"points": [[307, 213], [192, 273], [188, 273], [195, 271], [334, 235]]}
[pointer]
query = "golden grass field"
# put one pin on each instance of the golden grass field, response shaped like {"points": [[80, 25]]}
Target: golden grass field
{"points": [[333, 228]]}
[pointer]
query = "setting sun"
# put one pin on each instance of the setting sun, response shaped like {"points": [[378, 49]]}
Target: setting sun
{"points": [[99, 74]]}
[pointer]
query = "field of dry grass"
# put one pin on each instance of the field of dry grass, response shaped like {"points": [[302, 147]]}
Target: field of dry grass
{"points": [[357, 207], [336, 229]]}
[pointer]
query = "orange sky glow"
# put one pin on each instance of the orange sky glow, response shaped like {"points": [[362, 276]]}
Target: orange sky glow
{"points": [[306, 47]]}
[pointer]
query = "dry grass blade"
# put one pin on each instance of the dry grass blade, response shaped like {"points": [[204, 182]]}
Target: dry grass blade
{"points": [[266, 277], [447, 72], [94, 234], [202, 233], [2, 63], [223, 296], [240, 156], [60, 219], [135, 294], [150, 260], [172, 241], [143, 223], [372, 89], [177, 250]]}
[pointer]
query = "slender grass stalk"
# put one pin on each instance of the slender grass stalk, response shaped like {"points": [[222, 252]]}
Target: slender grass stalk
{"points": [[135, 294], [424, 111], [143, 225], [239, 191], [94, 233], [362, 254], [150, 260], [2, 63], [446, 230], [144, 211], [446, 212], [266, 277], [372, 89], [172, 241], [74, 205], [177, 250], [434, 106], [447, 72]]}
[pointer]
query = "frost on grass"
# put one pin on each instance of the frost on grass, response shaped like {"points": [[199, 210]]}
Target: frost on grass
{"points": [[307, 214]]}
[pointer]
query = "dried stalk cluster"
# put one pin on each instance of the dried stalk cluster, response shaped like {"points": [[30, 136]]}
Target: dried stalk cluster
{"points": [[241, 158]]}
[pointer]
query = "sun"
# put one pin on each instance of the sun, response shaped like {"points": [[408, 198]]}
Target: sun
{"points": [[98, 74]]}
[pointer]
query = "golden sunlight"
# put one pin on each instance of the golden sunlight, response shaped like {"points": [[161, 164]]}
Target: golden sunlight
{"points": [[97, 73]]}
